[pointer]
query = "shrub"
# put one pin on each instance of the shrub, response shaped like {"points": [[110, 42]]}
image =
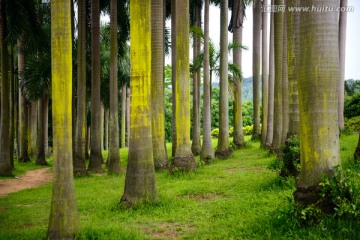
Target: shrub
{"points": [[352, 124], [248, 130], [215, 133], [231, 131], [290, 157]]}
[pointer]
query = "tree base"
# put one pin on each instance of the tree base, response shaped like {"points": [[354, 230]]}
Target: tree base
{"points": [[207, 158], [80, 172], [184, 164], [239, 144], [24, 159], [223, 154], [307, 195], [6, 171], [41, 163]]}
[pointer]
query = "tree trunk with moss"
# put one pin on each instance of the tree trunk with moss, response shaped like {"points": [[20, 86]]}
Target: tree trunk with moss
{"points": [[285, 85], [278, 85], [157, 86], [40, 138], [114, 155], [123, 116], [5, 163], [223, 148], [293, 20], [173, 76], [270, 124], [183, 158], [264, 75], [342, 45], [318, 98], [95, 142], [207, 151], [256, 67], [80, 131], [64, 220], [237, 25], [140, 182], [32, 130], [23, 110]]}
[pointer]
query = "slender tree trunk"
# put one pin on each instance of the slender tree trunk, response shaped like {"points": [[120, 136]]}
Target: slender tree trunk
{"points": [[256, 67], [223, 149], [285, 85], [278, 105], [319, 132], [95, 144], [293, 20], [40, 146], [33, 128], [264, 75], [106, 130], [102, 118], [88, 141], [64, 220], [342, 45], [270, 124], [12, 106], [128, 116], [46, 125], [237, 24], [195, 145], [207, 150], [157, 86], [114, 155], [140, 182], [23, 110], [123, 116], [81, 128], [5, 162], [183, 158], [173, 75]]}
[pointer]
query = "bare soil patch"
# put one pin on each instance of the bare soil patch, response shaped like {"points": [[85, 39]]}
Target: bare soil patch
{"points": [[167, 230], [30, 179]]}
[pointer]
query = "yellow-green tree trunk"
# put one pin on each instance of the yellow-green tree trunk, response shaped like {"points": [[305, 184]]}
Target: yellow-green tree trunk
{"points": [[319, 75], [64, 219], [140, 182]]}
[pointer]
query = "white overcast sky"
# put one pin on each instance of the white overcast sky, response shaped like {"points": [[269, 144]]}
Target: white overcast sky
{"points": [[352, 66]]}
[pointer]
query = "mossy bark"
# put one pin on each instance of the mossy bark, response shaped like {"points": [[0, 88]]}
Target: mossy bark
{"points": [[157, 86], [123, 116], [95, 138], [182, 89], [173, 75], [285, 86], [264, 75], [40, 138], [318, 96], [80, 134], [64, 221], [32, 128], [224, 142], [207, 151], [140, 181], [114, 155]]}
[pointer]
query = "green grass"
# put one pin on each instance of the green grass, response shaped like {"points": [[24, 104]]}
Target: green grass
{"points": [[237, 198]]}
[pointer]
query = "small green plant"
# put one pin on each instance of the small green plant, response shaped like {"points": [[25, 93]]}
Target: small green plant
{"points": [[290, 157], [215, 133], [248, 130]]}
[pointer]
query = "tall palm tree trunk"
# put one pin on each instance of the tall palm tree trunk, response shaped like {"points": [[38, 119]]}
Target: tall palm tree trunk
{"points": [[46, 125], [12, 106], [293, 20], [183, 158], [342, 45], [278, 86], [285, 85], [23, 109], [223, 149], [140, 182], [64, 220], [173, 75], [318, 96], [264, 75], [95, 143], [114, 155], [207, 151], [157, 86], [32, 128], [80, 134], [5, 163], [123, 116], [40, 137], [256, 67], [270, 124], [238, 18]]}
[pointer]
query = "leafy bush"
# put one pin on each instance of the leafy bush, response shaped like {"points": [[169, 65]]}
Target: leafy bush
{"points": [[248, 130], [231, 131], [290, 157], [352, 106], [352, 124], [215, 133]]}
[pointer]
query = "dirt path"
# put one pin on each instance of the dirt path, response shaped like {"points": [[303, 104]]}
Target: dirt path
{"points": [[31, 179]]}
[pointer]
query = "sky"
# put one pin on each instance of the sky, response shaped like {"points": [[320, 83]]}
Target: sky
{"points": [[352, 60]]}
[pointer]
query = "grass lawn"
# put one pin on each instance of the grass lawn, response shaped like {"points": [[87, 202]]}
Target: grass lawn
{"points": [[237, 198]]}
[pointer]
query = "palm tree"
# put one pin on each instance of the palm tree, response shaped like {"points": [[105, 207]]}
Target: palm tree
{"points": [[207, 151], [256, 66], [40, 138], [223, 149], [80, 134], [64, 219], [5, 163], [95, 144], [123, 116], [140, 182], [270, 124], [342, 44], [265, 77], [114, 155], [173, 75], [293, 20], [278, 105], [157, 86], [319, 132], [285, 85]]}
